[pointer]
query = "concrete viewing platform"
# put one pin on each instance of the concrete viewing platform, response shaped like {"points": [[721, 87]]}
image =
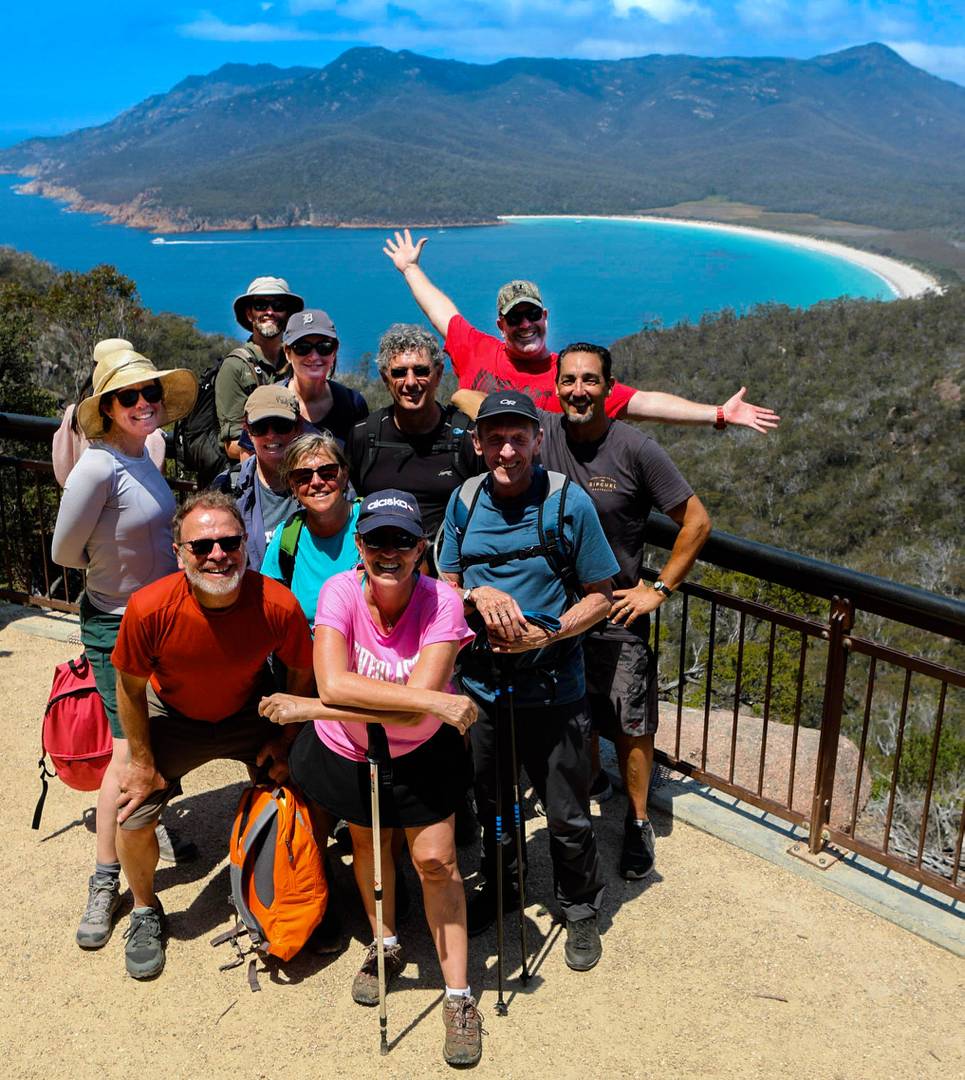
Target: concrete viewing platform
{"points": [[734, 960]]}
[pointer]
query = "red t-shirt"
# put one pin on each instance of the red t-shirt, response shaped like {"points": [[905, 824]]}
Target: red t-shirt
{"points": [[482, 363], [208, 663]]}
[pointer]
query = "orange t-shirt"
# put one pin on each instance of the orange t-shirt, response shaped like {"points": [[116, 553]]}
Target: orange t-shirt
{"points": [[208, 663]]}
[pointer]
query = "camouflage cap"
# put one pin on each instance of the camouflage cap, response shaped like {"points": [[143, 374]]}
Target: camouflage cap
{"points": [[517, 292]]}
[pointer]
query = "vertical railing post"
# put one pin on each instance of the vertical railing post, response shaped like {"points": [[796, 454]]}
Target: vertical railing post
{"points": [[840, 623]]}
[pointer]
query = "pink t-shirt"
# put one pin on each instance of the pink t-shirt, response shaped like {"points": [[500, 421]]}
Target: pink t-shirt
{"points": [[434, 614]]}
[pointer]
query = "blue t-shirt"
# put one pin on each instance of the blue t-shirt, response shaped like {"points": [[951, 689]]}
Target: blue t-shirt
{"points": [[544, 676], [316, 560]]}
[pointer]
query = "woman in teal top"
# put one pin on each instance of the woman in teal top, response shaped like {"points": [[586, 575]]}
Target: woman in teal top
{"points": [[316, 471]]}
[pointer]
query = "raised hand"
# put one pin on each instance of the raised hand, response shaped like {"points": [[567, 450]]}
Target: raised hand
{"points": [[402, 251], [741, 412]]}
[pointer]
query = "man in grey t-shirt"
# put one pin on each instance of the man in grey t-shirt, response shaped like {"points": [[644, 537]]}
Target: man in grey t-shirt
{"points": [[625, 473]]}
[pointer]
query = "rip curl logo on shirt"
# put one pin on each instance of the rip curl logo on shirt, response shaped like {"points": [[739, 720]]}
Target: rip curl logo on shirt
{"points": [[373, 667], [601, 483], [380, 503]]}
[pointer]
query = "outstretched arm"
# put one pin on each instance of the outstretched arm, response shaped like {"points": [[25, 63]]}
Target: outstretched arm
{"points": [[670, 409], [438, 308]]}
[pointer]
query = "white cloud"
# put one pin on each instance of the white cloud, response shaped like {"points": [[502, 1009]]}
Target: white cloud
{"points": [[208, 27], [764, 14], [664, 11], [947, 61]]}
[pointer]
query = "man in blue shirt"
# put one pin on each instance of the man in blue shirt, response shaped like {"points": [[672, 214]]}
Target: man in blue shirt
{"points": [[508, 571]]}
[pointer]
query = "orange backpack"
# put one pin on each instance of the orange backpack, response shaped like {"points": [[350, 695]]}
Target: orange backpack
{"points": [[278, 885]]}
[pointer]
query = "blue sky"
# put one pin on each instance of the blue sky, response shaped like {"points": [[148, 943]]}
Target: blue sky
{"points": [[69, 64]]}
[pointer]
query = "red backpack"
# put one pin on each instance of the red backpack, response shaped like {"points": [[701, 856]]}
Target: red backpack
{"points": [[76, 733]]}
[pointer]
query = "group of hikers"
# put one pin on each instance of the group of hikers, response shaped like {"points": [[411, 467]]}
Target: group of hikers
{"points": [[414, 572]]}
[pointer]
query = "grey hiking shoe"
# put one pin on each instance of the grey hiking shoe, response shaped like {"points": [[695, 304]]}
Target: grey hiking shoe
{"points": [[583, 946], [144, 951], [365, 986], [172, 847], [463, 1044], [97, 922]]}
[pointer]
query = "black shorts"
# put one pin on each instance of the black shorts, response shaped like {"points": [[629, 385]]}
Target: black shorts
{"points": [[426, 786], [621, 685]]}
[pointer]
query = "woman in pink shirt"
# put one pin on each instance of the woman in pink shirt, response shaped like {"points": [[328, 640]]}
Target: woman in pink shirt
{"points": [[386, 641]]}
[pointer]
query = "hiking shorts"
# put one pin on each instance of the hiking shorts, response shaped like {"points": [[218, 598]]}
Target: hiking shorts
{"points": [[621, 685], [181, 745], [98, 634]]}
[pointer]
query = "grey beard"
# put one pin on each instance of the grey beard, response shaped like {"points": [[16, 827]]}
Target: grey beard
{"points": [[219, 586], [268, 328]]}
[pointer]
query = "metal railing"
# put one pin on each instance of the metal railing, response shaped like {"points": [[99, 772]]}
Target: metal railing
{"points": [[852, 737]]}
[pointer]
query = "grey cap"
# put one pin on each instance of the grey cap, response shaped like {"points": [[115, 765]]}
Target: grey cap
{"points": [[308, 322], [518, 292]]}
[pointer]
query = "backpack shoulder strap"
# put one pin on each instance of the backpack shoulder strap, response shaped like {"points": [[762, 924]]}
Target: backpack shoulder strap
{"points": [[553, 539], [373, 429], [246, 353], [290, 535], [468, 495]]}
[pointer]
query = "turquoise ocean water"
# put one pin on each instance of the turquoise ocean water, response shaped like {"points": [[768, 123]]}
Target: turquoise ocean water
{"points": [[601, 280]]}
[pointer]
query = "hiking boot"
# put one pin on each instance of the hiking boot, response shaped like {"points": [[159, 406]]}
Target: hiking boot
{"points": [[144, 951], [97, 922], [463, 1044], [365, 986], [172, 847], [601, 789], [583, 946], [481, 906], [636, 858]]}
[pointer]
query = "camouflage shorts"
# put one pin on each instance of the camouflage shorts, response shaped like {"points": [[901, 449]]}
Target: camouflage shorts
{"points": [[621, 685]]}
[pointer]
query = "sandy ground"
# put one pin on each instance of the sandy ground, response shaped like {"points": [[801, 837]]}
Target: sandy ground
{"points": [[721, 966], [903, 280]]}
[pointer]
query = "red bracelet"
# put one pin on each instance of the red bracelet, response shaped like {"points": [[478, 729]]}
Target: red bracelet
{"points": [[720, 423]]}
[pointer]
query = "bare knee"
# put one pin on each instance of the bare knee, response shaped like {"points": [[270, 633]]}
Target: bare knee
{"points": [[437, 866]]}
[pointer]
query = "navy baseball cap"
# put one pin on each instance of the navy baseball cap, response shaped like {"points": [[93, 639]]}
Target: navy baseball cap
{"points": [[390, 508], [507, 403]]}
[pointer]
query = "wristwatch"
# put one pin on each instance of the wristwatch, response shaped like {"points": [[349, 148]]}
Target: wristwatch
{"points": [[467, 596], [661, 586]]}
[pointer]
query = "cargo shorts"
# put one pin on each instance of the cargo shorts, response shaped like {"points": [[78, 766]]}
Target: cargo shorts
{"points": [[621, 684]]}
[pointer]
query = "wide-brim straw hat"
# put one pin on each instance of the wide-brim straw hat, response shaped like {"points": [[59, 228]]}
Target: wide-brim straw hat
{"points": [[266, 286], [125, 367]]}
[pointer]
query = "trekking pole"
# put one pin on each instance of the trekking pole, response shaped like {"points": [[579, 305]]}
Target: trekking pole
{"points": [[500, 1006], [520, 824], [373, 754]]}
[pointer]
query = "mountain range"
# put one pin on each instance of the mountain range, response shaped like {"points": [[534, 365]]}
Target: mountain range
{"points": [[392, 137]]}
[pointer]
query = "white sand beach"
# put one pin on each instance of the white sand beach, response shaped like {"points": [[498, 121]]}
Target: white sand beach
{"points": [[903, 280]]}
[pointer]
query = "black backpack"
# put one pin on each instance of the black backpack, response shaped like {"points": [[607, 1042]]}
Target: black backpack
{"points": [[449, 442], [197, 436]]}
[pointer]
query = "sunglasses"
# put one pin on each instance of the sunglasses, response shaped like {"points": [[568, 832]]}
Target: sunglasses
{"points": [[382, 540], [152, 394], [203, 548], [267, 303], [517, 314], [421, 371], [279, 425], [323, 348], [328, 474]]}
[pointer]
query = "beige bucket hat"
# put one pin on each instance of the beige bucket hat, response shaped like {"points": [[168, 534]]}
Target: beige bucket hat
{"points": [[266, 286], [119, 368]]}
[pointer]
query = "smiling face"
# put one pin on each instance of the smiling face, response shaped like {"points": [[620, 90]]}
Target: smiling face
{"points": [[582, 388], [268, 315], [385, 562], [524, 331], [317, 364], [216, 574], [271, 440], [508, 445], [131, 424], [323, 492], [412, 380]]}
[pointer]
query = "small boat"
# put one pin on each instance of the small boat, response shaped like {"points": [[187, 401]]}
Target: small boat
{"points": [[158, 240]]}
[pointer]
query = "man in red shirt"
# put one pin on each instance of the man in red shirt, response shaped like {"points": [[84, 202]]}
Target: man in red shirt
{"points": [[190, 660], [521, 359]]}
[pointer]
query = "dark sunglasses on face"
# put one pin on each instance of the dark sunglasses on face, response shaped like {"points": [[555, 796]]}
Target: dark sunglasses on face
{"points": [[277, 424], [203, 548], [421, 371], [268, 302], [381, 540], [152, 394], [323, 348], [516, 315], [326, 473]]}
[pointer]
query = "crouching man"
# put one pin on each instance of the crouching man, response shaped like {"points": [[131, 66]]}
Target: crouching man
{"points": [[190, 660]]}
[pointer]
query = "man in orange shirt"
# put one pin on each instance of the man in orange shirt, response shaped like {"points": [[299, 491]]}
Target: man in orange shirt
{"points": [[190, 660]]}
